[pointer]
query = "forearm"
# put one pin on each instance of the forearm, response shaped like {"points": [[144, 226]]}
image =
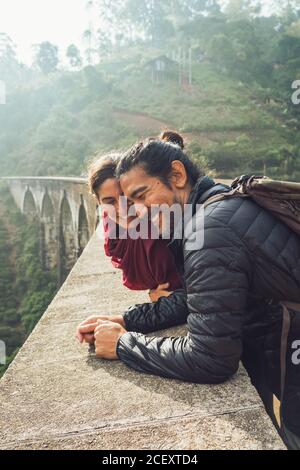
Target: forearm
{"points": [[166, 312], [171, 357]]}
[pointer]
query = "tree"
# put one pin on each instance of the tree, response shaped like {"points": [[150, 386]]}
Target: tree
{"points": [[12, 72], [7, 48], [243, 9], [136, 19], [104, 43], [73, 55], [158, 25], [87, 37], [47, 57], [89, 34]]}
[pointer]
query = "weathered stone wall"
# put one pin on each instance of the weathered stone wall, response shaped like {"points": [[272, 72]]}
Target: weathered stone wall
{"points": [[57, 395]]}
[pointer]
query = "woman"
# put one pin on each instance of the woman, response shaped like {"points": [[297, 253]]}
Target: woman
{"points": [[146, 263]]}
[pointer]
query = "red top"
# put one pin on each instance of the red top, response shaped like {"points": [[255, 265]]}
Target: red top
{"points": [[145, 263]]}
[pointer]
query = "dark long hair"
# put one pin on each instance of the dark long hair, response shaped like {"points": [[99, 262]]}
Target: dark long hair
{"points": [[100, 170], [156, 157]]}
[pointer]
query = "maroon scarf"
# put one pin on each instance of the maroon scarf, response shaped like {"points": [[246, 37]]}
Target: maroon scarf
{"points": [[145, 263]]}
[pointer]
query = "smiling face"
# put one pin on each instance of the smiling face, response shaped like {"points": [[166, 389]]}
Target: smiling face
{"points": [[108, 197], [141, 188]]}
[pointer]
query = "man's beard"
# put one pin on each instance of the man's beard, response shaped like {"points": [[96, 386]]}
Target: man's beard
{"points": [[168, 229]]}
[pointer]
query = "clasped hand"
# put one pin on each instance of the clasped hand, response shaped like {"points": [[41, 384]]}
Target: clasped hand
{"points": [[104, 331]]}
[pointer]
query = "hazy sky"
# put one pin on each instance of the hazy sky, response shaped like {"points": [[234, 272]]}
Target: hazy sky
{"points": [[61, 22], [30, 22]]}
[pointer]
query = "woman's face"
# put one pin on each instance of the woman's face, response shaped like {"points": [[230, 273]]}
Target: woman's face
{"points": [[109, 198]]}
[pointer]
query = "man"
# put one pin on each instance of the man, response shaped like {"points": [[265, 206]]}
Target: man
{"points": [[248, 263]]}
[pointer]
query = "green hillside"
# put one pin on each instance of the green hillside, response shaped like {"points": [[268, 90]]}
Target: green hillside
{"points": [[52, 127]]}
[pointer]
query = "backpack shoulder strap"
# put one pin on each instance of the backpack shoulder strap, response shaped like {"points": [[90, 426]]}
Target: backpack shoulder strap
{"points": [[286, 325], [219, 197]]}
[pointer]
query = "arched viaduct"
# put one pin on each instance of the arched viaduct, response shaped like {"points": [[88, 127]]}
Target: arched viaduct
{"points": [[66, 213]]}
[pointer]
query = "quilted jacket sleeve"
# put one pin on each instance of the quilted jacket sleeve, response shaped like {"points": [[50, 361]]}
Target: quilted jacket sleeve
{"points": [[166, 312], [217, 281]]}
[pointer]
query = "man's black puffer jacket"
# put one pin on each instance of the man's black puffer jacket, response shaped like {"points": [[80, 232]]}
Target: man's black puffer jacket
{"points": [[248, 255]]}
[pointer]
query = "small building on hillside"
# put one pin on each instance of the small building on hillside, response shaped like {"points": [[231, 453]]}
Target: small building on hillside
{"points": [[161, 68]]}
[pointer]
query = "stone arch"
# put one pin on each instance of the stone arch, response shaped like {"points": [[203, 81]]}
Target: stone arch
{"points": [[68, 252], [29, 206], [48, 234], [47, 208], [83, 228]]}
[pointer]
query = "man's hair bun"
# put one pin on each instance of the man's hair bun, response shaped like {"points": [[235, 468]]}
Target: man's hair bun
{"points": [[172, 137]]}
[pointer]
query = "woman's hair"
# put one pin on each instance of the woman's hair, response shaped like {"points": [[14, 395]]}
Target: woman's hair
{"points": [[101, 170], [156, 157]]}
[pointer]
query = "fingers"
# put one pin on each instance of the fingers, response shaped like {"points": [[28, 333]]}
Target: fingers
{"points": [[89, 338], [100, 325], [79, 336], [91, 319], [165, 293], [79, 332], [82, 329], [163, 286], [85, 337], [86, 331]]}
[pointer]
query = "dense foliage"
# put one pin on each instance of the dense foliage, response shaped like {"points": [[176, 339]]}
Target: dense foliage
{"points": [[25, 289]]}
